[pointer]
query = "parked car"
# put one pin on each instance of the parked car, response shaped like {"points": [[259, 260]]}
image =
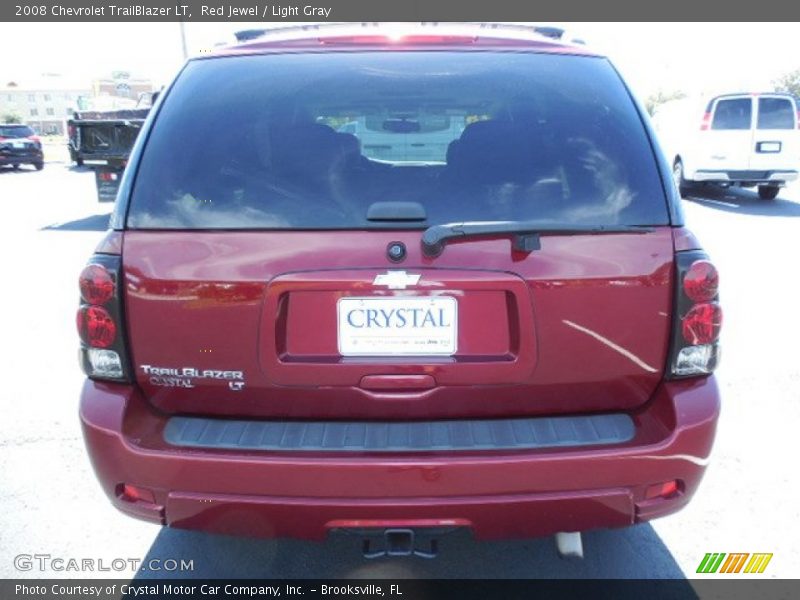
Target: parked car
{"points": [[745, 140], [284, 336], [19, 145]]}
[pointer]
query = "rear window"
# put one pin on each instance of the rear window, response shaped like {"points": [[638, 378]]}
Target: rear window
{"points": [[775, 113], [15, 131], [311, 141], [735, 113]]}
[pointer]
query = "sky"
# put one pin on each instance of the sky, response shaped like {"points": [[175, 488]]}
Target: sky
{"points": [[696, 58]]}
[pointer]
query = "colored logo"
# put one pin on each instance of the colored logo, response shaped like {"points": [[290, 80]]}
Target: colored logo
{"points": [[742, 562]]}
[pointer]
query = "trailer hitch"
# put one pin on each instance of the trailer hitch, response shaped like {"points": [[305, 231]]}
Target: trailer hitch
{"points": [[399, 542]]}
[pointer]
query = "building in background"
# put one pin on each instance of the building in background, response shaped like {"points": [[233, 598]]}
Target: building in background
{"points": [[121, 85], [43, 103], [47, 101]]}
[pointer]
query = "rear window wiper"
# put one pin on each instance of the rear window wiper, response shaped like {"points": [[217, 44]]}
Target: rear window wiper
{"points": [[525, 233]]}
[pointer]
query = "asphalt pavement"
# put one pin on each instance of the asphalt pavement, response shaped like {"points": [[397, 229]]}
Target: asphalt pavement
{"points": [[52, 505]]}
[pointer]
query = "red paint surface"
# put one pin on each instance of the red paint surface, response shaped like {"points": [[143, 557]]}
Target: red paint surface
{"points": [[497, 494], [580, 325], [685, 240]]}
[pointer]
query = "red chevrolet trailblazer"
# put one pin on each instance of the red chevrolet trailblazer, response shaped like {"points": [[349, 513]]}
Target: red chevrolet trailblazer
{"points": [[396, 283]]}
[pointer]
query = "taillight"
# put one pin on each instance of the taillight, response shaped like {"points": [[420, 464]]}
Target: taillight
{"points": [[698, 316], [701, 281], [99, 320], [96, 283], [702, 323], [705, 124], [96, 326]]}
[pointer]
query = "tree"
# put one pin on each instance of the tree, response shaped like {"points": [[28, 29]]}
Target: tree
{"points": [[789, 82], [655, 100], [11, 118]]}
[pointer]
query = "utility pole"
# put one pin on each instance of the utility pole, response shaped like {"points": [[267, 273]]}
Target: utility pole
{"points": [[183, 40]]}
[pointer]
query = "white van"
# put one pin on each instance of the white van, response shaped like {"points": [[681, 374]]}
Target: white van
{"points": [[734, 139], [398, 139]]}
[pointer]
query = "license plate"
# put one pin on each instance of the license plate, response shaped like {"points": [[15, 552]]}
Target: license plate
{"points": [[770, 147], [17, 144], [398, 326]]}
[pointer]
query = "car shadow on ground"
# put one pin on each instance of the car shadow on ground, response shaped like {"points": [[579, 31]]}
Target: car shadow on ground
{"points": [[93, 223], [742, 201], [632, 553], [23, 170]]}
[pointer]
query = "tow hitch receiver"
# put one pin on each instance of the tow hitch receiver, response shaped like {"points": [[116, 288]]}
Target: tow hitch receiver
{"points": [[399, 542]]}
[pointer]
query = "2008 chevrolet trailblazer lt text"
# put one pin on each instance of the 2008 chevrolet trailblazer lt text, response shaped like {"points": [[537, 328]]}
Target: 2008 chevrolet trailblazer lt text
{"points": [[290, 331]]}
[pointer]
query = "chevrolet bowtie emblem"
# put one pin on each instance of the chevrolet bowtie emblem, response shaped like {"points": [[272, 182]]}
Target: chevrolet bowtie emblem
{"points": [[396, 280]]}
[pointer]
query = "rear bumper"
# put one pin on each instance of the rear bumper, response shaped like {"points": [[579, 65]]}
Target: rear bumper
{"points": [[778, 176], [21, 159], [504, 494]]}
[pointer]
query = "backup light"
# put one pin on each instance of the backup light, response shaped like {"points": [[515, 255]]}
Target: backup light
{"points": [[104, 363], [696, 360]]}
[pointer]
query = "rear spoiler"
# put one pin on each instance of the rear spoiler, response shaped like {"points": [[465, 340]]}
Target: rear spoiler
{"points": [[553, 33]]}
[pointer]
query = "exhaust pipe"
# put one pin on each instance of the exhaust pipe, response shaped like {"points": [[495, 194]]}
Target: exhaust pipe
{"points": [[569, 544]]}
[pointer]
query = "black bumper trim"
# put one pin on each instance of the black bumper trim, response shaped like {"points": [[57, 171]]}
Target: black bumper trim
{"points": [[391, 436]]}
